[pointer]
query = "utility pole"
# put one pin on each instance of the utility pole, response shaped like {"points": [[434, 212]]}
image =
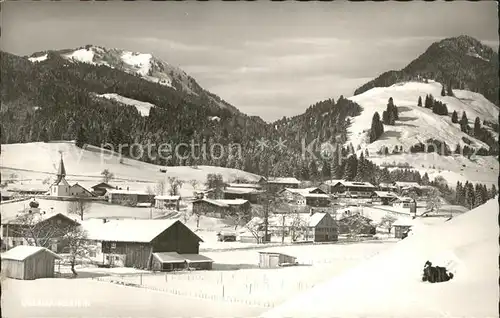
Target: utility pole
{"points": [[283, 229]]}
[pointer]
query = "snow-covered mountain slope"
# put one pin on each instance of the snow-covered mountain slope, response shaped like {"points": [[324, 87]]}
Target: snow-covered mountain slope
{"points": [[144, 65], [34, 162], [416, 124], [390, 283], [142, 107]]}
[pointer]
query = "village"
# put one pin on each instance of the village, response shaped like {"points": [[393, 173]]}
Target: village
{"points": [[218, 235]]}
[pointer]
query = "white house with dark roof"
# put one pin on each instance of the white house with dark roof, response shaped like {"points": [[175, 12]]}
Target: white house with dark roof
{"points": [[313, 196], [60, 187], [353, 189]]}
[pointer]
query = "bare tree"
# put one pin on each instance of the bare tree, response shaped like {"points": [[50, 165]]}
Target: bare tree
{"points": [[297, 226], [194, 183], [255, 227], [387, 222], [186, 215], [107, 175], [433, 202], [160, 187], [79, 207], [78, 246], [35, 230], [237, 219], [174, 184]]}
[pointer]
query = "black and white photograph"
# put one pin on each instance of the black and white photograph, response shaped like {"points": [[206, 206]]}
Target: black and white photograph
{"points": [[177, 159]]}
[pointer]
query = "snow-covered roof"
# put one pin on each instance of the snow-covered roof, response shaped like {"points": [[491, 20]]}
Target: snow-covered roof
{"points": [[240, 190], [226, 202], [356, 184], [466, 245], [289, 219], [168, 197], [386, 185], [385, 194], [244, 185], [126, 230], [307, 192], [120, 191], [403, 184], [169, 257], [38, 217], [196, 258], [333, 181], [418, 221], [404, 199], [284, 180], [22, 252], [315, 219]]}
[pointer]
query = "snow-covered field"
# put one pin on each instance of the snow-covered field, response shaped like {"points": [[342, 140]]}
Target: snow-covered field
{"points": [[236, 286], [390, 283], [417, 124], [34, 162], [142, 107]]}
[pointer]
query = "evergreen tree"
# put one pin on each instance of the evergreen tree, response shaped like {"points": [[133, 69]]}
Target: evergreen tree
{"points": [[351, 168], [443, 92], [326, 171], [367, 154], [419, 103], [469, 195], [361, 168], [385, 117], [493, 191], [464, 123], [478, 195], [304, 171], [377, 128], [44, 135], [454, 117], [313, 171], [449, 90], [81, 138], [458, 192], [477, 128], [425, 179]]}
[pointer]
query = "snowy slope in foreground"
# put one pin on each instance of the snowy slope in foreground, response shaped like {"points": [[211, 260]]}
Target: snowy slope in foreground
{"points": [[142, 107], [38, 160], [390, 284], [416, 124]]}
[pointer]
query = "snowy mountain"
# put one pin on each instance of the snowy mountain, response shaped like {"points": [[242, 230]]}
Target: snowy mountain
{"points": [[389, 284], [144, 65], [463, 62]]}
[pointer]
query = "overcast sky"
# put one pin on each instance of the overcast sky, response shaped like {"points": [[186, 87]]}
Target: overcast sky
{"points": [[267, 59]]}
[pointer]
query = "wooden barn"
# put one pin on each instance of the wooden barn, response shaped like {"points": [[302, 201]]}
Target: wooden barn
{"points": [[132, 243], [78, 190], [49, 227], [129, 197], [278, 184], [102, 188], [171, 202], [274, 260], [28, 262], [169, 261], [383, 197], [356, 224], [221, 208], [314, 197]]}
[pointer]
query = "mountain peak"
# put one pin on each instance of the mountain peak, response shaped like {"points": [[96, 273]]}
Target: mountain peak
{"points": [[462, 61]]}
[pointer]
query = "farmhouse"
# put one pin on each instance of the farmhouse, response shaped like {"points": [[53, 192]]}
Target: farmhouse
{"points": [[128, 197], [328, 184], [356, 224], [132, 243], [383, 197], [314, 197], [400, 185], [277, 184], [28, 262], [274, 260], [47, 227], [249, 194], [353, 189], [171, 202], [403, 202], [77, 190], [221, 208], [100, 189], [387, 187], [316, 227]]}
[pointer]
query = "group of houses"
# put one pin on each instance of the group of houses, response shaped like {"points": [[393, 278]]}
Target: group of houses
{"points": [[33, 239]]}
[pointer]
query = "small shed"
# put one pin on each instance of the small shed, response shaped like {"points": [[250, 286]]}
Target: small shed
{"points": [[274, 260], [28, 262], [198, 261], [167, 261]]}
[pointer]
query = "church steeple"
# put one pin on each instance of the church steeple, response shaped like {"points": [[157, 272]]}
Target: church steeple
{"points": [[61, 172]]}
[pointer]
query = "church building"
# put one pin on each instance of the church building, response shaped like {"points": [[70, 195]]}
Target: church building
{"points": [[61, 187]]}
